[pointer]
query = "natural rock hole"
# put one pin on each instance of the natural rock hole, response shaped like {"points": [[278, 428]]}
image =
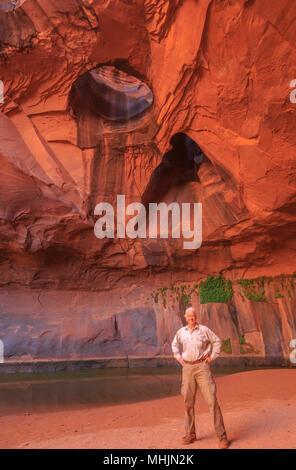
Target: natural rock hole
{"points": [[110, 93], [10, 5], [178, 166]]}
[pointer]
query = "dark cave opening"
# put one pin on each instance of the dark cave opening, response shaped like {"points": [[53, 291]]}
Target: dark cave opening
{"points": [[179, 165]]}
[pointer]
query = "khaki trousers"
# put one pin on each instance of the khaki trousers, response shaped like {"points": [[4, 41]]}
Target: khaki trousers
{"points": [[200, 374]]}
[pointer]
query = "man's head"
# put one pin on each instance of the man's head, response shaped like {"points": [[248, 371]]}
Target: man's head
{"points": [[190, 316]]}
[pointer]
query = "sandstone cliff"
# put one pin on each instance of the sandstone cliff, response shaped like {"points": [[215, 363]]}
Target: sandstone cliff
{"points": [[217, 70]]}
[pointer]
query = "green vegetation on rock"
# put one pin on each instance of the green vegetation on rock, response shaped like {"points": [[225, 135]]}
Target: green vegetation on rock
{"points": [[242, 339], [226, 346], [278, 295], [220, 290], [253, 289], [182, 294], [215, 289]]}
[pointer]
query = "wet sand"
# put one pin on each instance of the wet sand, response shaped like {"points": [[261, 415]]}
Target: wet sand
{"points": [[259, 409]]}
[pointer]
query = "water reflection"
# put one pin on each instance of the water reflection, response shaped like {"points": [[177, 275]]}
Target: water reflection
{"points": [[28, 393]]}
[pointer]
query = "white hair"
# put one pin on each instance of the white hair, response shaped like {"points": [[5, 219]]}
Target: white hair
{"points": [[190, 309]]}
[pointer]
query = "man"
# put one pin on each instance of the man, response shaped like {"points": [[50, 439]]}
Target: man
{"points": [[200, 346]]}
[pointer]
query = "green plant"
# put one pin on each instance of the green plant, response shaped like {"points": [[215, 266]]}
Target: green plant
{"points": [[215, 289], [181, 294], [250, 287], [242, 339], [162, 291], [184, 295], [226, 346], [155, 296], [278, 295], [241, 350]]}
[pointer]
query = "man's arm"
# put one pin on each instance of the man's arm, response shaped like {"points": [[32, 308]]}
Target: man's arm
{"points": [[216, 345], [176, 349]]}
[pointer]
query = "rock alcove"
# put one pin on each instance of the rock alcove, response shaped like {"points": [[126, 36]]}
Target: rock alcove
{"points": [[178, 166], [10, 5], [107, 98]]}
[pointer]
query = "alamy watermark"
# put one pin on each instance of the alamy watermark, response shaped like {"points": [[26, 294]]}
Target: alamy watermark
{"points": [[185, 218]]}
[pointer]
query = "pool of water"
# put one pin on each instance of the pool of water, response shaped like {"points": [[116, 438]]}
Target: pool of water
{"points": [[33, 393]]}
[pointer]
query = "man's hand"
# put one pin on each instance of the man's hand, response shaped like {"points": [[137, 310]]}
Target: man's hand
{"points": [[208, 360], [181, 361]]}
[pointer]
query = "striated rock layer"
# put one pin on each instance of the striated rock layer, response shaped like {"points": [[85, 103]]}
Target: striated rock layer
{"points": [[216, 70]]}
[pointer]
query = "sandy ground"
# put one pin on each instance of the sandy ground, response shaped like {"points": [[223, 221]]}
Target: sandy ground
{"points": [[259, 409]]}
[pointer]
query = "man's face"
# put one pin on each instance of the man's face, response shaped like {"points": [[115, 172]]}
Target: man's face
{"points": [[191, 318]]}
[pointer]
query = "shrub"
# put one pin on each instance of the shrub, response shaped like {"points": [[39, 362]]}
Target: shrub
{"points": [[226, 346], [250, 289], [215, 289], [242, 339]]}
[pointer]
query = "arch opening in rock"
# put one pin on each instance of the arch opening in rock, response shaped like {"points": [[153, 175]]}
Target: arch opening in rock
{"points": [[178, 166], [10, 5], [110, 93]]}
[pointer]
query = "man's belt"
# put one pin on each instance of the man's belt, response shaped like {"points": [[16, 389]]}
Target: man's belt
{"points": [[195, 362]]}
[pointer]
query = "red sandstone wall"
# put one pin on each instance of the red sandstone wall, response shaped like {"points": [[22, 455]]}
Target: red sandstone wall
{"points": [[219, 71]]}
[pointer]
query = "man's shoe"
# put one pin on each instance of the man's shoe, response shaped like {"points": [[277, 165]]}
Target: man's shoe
{"points": [[224, 444], [188, 439]]}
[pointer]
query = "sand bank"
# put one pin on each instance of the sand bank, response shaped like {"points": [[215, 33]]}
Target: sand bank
{"points": [[259, 409]]}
